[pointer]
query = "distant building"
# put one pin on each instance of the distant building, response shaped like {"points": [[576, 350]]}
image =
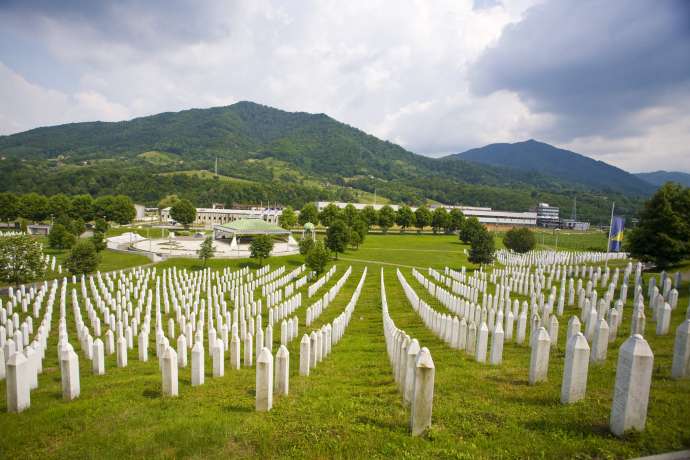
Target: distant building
{"points": [[574, 225], [38, 229], [485, 215], [209, 217], [548, 216]]}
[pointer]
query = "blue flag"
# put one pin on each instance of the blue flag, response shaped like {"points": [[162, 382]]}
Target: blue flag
{"points": [[616, 234]]}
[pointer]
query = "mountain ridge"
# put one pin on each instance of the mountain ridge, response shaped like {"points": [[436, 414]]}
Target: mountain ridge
{"points": [[547, 159], [291, 157], [660, 177]]}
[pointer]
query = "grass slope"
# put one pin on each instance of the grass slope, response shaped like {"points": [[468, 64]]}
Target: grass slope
{"points": [[349, 407]]}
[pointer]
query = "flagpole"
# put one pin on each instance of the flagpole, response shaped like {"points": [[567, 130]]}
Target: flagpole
{"points": [[608, 240]]}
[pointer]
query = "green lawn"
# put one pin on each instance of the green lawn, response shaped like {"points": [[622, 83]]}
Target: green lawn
{"points": [[350, 406]]}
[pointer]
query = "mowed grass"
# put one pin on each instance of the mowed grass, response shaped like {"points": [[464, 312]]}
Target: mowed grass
{"points": [[349, 407]]}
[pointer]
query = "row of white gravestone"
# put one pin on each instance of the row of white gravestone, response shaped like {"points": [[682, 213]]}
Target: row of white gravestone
{"points": [[315, 310], [311, 290], [21, 359], [413, 369], [94, 350], [316, 346], [271, 376], [550, 257]]}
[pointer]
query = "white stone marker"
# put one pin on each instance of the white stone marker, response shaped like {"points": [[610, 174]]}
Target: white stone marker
{"points": [[121, 352], [169, 372], [69, 366], [553, 330], [264, 381], [143, 346], [482, 343], [497, 345], [539, 358], [218, 358], [235, 361], [410, 370], [663, 323], [282, 371], [600, 342], [182, 351], [18, 393], [521, 328], [573, 327], [423, 393], [304, 355], [248, 353], [633, 379], [98, 363], [681, 352], [198, 364], [575, 369], [109, 342]]}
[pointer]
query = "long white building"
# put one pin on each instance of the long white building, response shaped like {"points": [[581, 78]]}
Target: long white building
{"points": [[485, 215], [208, 217]]}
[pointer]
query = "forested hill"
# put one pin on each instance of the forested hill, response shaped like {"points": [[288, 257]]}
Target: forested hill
{"points": [[266, 154], [659, 178], [564, 164]]}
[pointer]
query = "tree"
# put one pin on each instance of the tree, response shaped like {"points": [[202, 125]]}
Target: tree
{"points": [[329, 215], [422, 217], [98, 240], [34, 207], [59, 205], [350, 214], [183, 212], [83, 258], [261, 247], [370, 216], [519, 239], [354, 239], [457, 219], [469, 229], [78, 226], [404, 217], [288, 218], [123, 211], [60, 237], [21, 259], [386, 218], [482, 247], [103, 207], [206, 251], [317, 258], [9, 207], [305, 245], [167, 201], [337, 237], [101, 225], [83, 206], [309, 213], [360, 227], [663, 234], [440, 220]]}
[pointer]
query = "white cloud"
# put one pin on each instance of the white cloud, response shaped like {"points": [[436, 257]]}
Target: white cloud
{"points": [[398, 69], [26, 105]]}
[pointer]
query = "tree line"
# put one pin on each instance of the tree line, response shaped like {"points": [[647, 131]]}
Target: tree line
{"points": [[39, 208]]}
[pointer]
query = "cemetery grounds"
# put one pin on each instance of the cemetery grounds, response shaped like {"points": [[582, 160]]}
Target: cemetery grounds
{"points": [[350, 406]]}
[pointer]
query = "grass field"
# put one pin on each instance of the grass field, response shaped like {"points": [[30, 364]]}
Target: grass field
{"points": [[349, 407]]}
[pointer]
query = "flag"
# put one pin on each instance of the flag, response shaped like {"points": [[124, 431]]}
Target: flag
{"points": [[616, 234]]}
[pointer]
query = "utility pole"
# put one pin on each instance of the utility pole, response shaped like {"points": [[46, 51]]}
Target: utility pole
{"points": [[216, 166]]}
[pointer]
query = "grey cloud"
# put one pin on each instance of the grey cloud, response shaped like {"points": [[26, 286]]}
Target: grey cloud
{"points": [[592, 62]]}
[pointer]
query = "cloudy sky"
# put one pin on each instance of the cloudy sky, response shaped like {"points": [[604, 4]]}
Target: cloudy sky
{"points": [[606, 78]]}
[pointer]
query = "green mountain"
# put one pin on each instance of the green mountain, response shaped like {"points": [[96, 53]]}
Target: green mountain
{"points": [[564, 164], [266, 154], [659, 178]]}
